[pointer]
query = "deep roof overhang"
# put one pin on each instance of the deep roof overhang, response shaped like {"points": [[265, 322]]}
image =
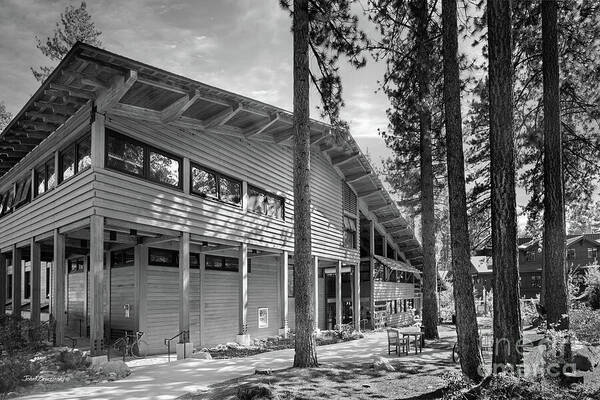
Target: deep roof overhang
{"points": [[89, 76]]}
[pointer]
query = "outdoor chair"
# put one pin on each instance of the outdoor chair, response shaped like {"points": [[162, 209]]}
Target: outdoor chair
{"points": [[396, 342]]}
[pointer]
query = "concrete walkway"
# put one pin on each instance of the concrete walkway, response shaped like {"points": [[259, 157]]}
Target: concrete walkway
{"points": [[169, 381]]}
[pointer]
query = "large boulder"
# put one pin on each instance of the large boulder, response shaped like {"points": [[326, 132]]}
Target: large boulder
{"points": [[382, 364], [113, 369], [202, 355]]}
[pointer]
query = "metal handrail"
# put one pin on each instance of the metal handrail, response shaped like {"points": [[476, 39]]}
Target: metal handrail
{"points": [[168, 343]]}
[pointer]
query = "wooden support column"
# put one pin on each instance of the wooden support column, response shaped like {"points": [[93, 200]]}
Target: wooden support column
{"points": [[284, 292], [187, 180], [36, 277], [140, 262], [58, 282], [3, 285], [96, 285], [372, 270], [316, 292], [202, 294], [184, 286], [356, 298], [98, 137], [86, 294], [17, 280], [338, 294], [243, 314]]}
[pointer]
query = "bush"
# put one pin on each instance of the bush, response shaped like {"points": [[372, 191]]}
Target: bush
{"points": [[16, 371], [585, 323], [71, 360], [18, 336]]}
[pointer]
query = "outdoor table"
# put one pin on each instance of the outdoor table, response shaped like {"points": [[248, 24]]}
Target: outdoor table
{"points": [[417, 334]]}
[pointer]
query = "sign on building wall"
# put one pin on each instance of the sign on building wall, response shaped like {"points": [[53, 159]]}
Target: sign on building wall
{"points": [[263, 317]]}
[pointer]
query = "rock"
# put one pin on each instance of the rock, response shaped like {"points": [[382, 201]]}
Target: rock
{"points": [[583, 362], [383, 364], [118, 368], [233, 345], [202, 355]]}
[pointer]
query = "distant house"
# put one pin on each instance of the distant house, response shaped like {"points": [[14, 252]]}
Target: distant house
{"points": [[582, 251]]}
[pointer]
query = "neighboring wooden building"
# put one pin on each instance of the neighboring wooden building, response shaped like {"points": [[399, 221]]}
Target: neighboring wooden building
{"points": [[164, 205], [582, 251]]}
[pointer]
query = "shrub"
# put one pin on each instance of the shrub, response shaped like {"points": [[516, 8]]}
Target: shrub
{"points": [[71, 359], [585, 323], [13, 373], [18, 336]]}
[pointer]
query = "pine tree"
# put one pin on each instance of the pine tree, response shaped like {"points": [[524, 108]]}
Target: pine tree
{"points": [[471, 361], [325, 29], [410, 45], [75, 25]]}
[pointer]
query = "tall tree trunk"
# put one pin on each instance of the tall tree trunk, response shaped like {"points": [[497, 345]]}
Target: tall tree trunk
{"points": [[507, 321], [306, 346], [430, 302], [471, 361], [555, 277]]}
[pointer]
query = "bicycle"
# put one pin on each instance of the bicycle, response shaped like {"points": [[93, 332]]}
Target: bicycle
{"points": [[131, 345]]}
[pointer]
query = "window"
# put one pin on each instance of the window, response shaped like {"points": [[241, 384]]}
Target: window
{"points": [[207, 183], [45, 177], [217, 263], [75, 266], [23, 193], [265, 203], [163, 168], [47, 282], [136, 158], [592, 253], [530, 255], [7, 201], [349, 225], [75, 158], [570, 254], [291, 281], [9, 286], [122, 258], [27, 284], [124, 154], [163, 258]]}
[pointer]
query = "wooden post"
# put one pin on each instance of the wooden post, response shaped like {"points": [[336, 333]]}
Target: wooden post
{"points": [[284, 292], [184, 286], [338, 294], [86, 294], [58, 280], [98, 139], [140, 262], [187, 179], [96, 285], [202, 294], [356, 303], [3, 279], [384, 240], [316, 292], [243, 257], [17, 280], [244, 196], [36, 277], [372, 270]]}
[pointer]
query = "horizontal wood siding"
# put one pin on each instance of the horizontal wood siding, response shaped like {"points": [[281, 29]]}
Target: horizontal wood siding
{"points": [[268, 166], [122, 291], [393, 291], [263, 291], [76, 296], [221, 307], [67, 203], [400, 319], [162, 306]]}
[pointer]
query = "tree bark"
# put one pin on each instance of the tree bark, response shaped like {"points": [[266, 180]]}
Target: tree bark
{"points": [[430, 302], [555, 276], [471, 361], [306, 346], [507, 321]]}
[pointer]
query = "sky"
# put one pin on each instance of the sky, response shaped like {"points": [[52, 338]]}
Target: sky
{"points": [[244, 46]]}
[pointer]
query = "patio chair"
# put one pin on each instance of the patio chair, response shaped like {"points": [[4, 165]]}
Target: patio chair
{"points": [[396, 342]]}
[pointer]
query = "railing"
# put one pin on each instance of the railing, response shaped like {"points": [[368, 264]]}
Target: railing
{"points": [[168, 343]]}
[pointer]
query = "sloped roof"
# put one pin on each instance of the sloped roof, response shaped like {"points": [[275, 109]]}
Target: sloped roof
{"points": [[88, 74]]}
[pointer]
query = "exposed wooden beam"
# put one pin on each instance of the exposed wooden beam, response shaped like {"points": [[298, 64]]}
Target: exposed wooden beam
{"points": [[283, 136], [16, 147], [24, 140], [378, 207], [33, 135], [119, 86], [159, 239], [223, 116], [83, 94], [385, 220], [85, 79], [339, 160], [56, 108], [357, 176], [212, 249], [398, 230], [40, 126], [260, 127], [367, 193], [175, 110], [59, 119]]}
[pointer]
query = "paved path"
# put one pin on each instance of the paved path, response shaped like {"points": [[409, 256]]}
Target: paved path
{"points": [[169, 381]]}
